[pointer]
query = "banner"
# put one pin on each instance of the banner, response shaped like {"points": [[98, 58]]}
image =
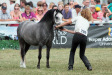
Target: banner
{"points": [[98, 36]]}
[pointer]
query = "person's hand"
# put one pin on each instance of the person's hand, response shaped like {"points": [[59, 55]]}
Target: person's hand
{"points": [[56, 27], [19, 20], [32, 19], [107, 14], [100, 20]]}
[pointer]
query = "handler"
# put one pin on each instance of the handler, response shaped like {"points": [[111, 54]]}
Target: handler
{"points": [[80, 37]]}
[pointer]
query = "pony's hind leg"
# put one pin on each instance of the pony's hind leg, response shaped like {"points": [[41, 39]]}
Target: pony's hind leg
{"points": [[47, 56], [22, 53], [39, 56]]}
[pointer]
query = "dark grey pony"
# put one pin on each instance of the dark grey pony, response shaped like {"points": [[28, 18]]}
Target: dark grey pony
{"points": [[38, 34]]}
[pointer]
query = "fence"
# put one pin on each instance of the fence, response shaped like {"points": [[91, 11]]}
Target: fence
{"points": [[99, 36], [15, 22]]}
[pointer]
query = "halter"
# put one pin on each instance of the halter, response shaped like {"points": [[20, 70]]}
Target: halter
{"points": [[56, 30]]}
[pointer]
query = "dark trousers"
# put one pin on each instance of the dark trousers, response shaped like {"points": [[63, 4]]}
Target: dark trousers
{"points": [[78, 39]]}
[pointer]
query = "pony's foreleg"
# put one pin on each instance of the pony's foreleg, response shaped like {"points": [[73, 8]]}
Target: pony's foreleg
{"points": [[39, 56], [47, 56]]}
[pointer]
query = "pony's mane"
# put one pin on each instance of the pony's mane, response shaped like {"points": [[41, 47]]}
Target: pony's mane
{"points": [[48, 16]]}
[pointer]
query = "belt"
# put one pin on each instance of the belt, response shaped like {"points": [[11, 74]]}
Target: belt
{"points": [[79, 33]]}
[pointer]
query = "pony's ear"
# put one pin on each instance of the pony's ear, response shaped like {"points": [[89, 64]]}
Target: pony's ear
{"points": [[57, 10]]}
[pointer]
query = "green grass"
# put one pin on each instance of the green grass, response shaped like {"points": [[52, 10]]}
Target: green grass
{"points": [[12, 44], [100, 58]]}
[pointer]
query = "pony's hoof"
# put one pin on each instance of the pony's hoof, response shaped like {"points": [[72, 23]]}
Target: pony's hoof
{"points": [[48, 66], [22, 66], [38, 67]]}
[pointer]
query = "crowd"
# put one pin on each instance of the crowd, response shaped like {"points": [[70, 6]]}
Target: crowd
{"points": [[26, 10]]}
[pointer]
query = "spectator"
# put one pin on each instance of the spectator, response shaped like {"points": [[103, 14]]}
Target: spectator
{"points": [[28, 3], [34, 10], [12, 4], [60, 2], [110, 8], [93, 2], [94, 13], [75, 3], [71, 4], [60, 7], [4, 16], [67, 14], [98, 4], [54, 7], [22, 5], [51, 5], [17, 5], [86, 4], [97, 9], [40, 13], [28, 15], [16, 15], [31, 4], [45, 7], [106, 16], [101, 13], [39, 5], [13, 12], [4, 4], [76, 11]]}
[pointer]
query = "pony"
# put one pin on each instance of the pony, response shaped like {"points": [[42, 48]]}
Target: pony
{"points": [[38, 34]]}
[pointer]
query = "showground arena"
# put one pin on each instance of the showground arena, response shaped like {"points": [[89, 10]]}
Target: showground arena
{"points": [[100, 59]]}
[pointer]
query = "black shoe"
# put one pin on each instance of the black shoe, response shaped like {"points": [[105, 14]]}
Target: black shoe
{"points": [[70, 68], [89, 68]]}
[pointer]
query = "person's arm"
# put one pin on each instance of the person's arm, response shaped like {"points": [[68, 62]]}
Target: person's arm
{"points": [[11, 16], [7, 20], [64, 24], [67, 22], [24, 19], [21, 19], [66, 30], [66, 19], [34, 16], [108, 10]]}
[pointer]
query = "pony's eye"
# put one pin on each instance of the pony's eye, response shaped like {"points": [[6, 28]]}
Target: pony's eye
{"points": [[56, 17]]}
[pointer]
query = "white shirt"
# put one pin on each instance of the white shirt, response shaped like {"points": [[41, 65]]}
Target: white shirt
{"points": [[4, 15], [82, 24], [74, 13]]}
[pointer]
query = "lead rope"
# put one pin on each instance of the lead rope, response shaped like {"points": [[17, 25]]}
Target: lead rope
{"points": [[56, 32]]}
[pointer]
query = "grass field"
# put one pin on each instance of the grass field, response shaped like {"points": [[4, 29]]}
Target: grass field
{"points": [[100, 58]]}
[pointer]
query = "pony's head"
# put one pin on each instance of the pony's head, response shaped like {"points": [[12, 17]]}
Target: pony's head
{"points": [[58, 17], [53, 16]]}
